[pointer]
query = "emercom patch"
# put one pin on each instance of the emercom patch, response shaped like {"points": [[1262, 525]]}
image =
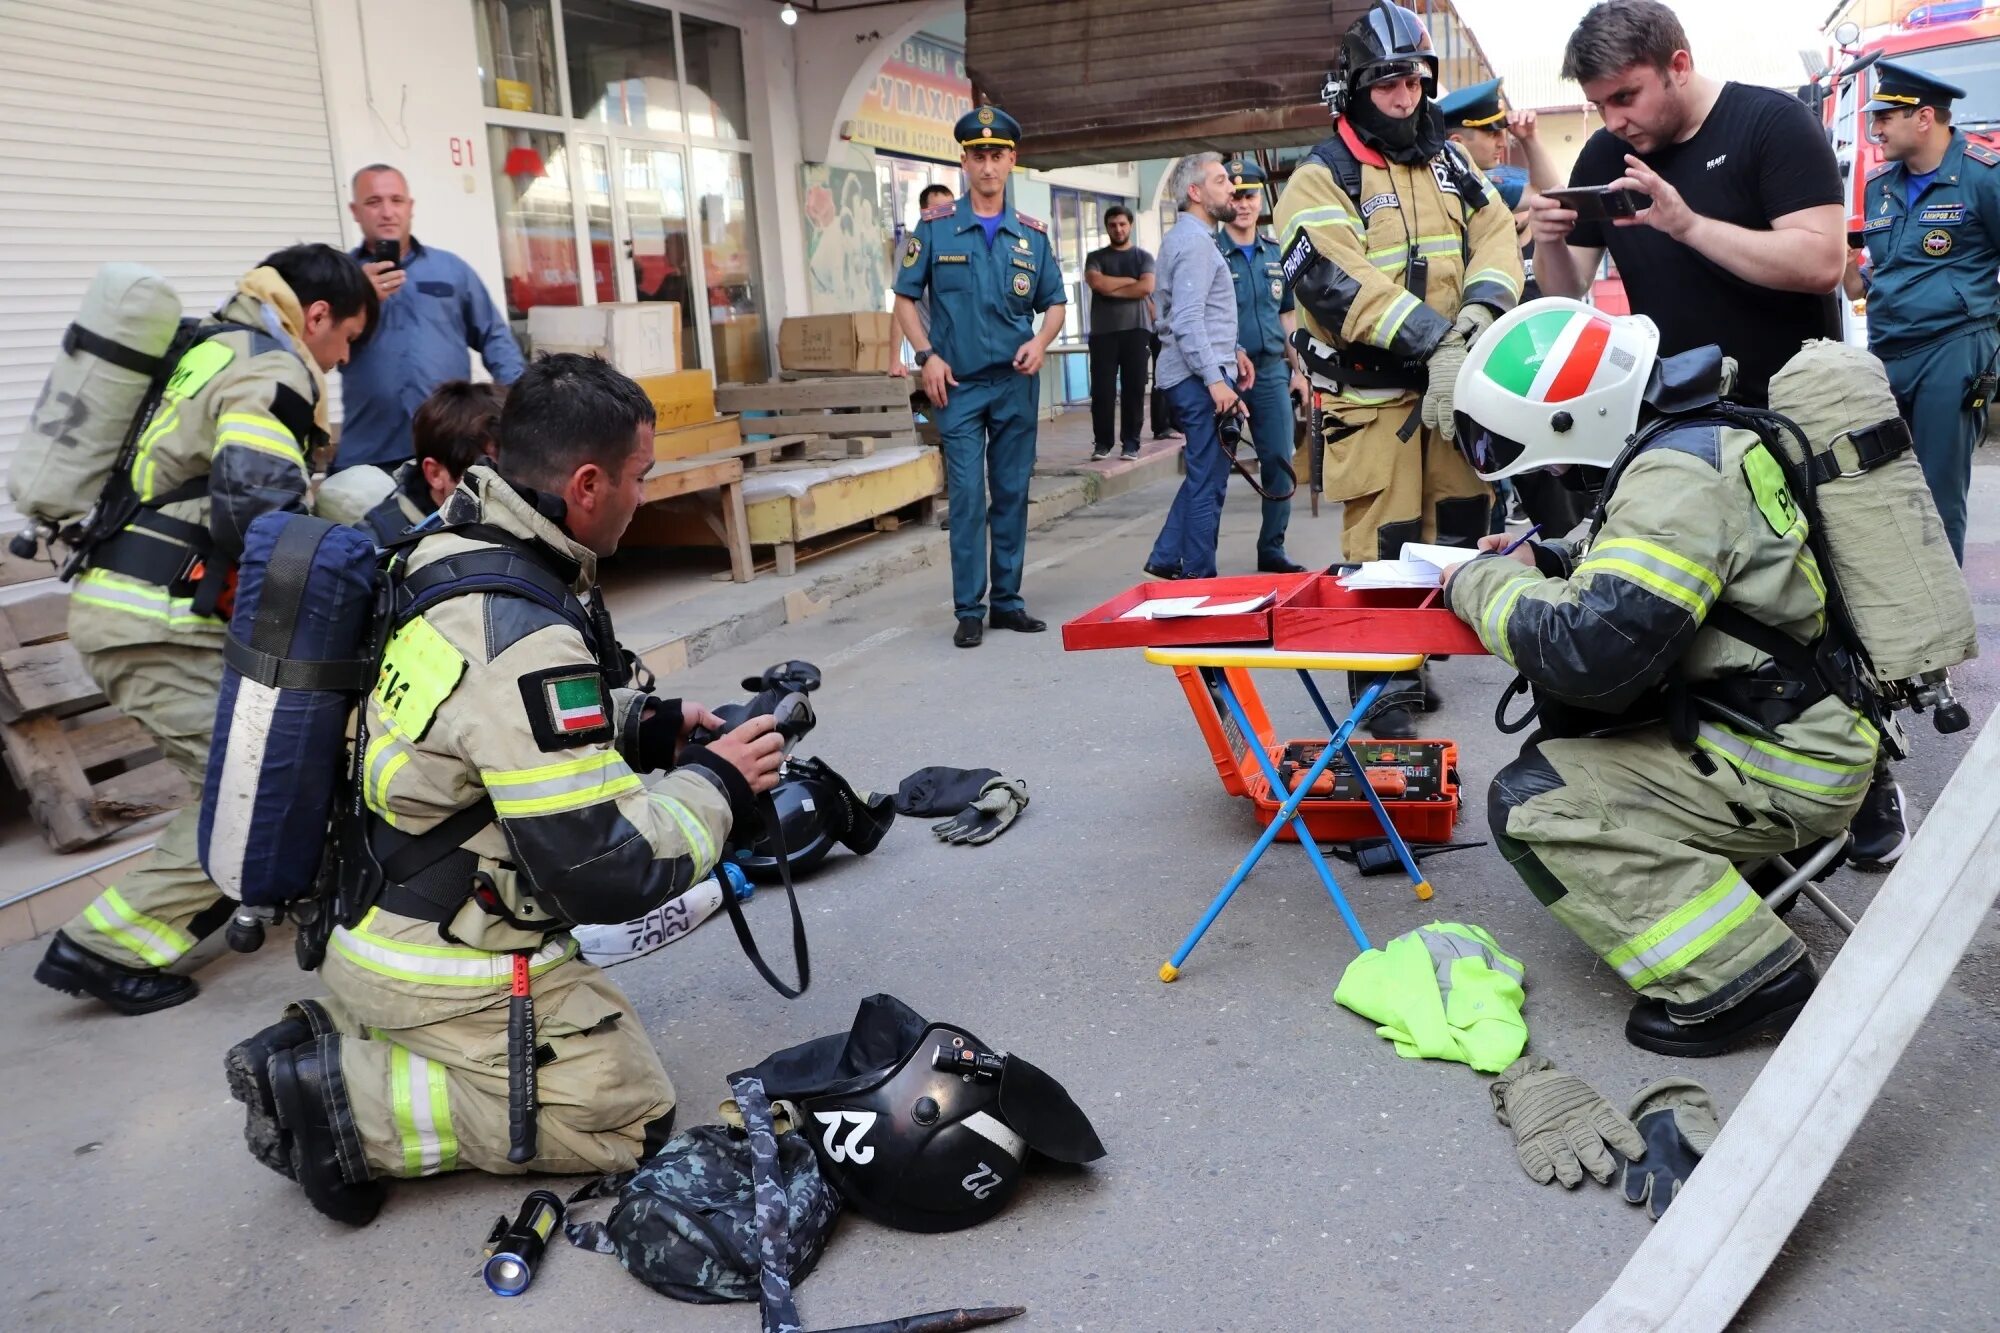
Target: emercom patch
{"points": [[201, 364], [1774, 497], [567, 706]]}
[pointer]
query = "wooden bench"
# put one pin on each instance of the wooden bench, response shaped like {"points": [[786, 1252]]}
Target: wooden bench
{"points": [[857, 412], [690, 476], [86, 770]]}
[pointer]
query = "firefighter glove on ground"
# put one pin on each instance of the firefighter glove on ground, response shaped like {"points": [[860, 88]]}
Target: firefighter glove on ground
{"points": [[999, 804], [1676, 1118], [1561, 1125], [1443, 369]]}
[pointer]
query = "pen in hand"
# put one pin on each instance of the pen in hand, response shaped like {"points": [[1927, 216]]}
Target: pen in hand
{"points": [[1520, 541]]}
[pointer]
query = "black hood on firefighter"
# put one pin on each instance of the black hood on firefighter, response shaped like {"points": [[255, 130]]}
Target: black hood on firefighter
{"points": [[1412, 140]]}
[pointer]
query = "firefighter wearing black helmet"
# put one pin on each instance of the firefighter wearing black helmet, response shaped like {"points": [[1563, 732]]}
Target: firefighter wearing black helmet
{"points": [[1398, 255]]}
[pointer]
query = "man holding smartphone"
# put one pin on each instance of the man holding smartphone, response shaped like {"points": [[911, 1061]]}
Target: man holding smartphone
{"points": [[1739, 237], [434, 307]]}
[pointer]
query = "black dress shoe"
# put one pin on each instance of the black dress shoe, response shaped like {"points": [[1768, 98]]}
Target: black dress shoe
{"points": [[1018, 621], [1769, 1008], [74, 970], [1281, 564], [1880, 833], [298, 1083], [1161, 572], [971, 630], [247, 1066], [1100, 453]]}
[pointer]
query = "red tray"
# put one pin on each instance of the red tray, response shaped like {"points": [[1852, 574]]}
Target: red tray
{"points": [[1321, 616], [1106, 626]]}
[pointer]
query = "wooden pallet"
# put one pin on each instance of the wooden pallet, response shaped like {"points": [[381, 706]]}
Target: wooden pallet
{"points": [[875, 408], [87, 771]]}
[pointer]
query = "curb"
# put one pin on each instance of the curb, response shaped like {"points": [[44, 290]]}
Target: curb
{"points": [[717, 621]]}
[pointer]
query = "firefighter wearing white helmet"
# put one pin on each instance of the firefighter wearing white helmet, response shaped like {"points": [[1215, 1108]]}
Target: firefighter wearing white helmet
{"points": [[1670, 750]]}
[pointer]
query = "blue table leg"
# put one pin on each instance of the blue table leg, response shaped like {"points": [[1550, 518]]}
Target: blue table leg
{"points": [[1418, 883], [1287, 813]]}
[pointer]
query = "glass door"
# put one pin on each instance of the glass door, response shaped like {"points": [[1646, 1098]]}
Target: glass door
{"points": [[597, 222], [658, 261]]}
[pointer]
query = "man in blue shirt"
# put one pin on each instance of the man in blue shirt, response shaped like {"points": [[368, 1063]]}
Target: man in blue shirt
{"points": [[1264, 321], [988, 271], [434, 307]]}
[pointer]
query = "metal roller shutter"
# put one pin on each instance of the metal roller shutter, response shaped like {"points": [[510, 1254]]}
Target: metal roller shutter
{"points": [[187, 135]]}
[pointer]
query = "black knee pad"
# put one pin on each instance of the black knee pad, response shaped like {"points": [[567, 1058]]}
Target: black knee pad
{"points": [[1462, 522], [1389, 538], [1529, 776]]}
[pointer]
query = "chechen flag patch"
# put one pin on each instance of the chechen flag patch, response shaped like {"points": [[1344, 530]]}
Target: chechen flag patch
{"points": [[576, 703]]}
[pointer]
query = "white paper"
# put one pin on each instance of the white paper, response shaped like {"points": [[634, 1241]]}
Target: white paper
{"points": [[1417, 566], [1177, 608]]}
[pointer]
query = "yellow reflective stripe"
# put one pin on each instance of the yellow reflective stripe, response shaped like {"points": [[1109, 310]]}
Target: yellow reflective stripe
{"points": [[421, 1106], [149, 937], [286, 449], [1499, 276], [1493, 625], [1369, 400], [1686, 933], [399, 1102], [1657, 569], [145, 467], [1779, 766], [553, 788], [440, 966], [149, 601], [440, 1106], [1401, 309], [692, 830], [1333, 214]]}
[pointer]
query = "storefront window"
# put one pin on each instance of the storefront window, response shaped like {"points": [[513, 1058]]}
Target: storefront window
{"points": [[596, 187], [727, 217], [531, 195], [517, 54], [716, 101], [621, 64], [656, 219]]}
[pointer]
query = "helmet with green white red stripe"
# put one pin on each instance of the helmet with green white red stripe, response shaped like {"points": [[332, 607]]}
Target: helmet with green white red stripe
{"points": [[1553, 382]]}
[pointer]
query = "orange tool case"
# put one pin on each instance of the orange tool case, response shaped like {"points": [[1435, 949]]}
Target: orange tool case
{"points": [[1426, 770]]}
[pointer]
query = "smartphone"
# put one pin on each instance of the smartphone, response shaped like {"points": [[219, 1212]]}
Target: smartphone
{"points": [[1601, 203], [389, 251], [1856, 241]]}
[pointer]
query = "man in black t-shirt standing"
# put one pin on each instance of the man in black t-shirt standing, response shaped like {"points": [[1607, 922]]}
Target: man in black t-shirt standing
{"points": [[1744, 243], [1743, 246], [1120, 277]]}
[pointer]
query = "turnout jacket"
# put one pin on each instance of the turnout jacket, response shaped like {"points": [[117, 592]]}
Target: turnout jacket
{"points": [[1700, 517], [241, 410], [1401, 214], [497, 695]]}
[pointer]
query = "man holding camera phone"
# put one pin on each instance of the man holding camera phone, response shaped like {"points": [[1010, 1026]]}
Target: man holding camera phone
{"points": [[434, 307], [1738, 238]]}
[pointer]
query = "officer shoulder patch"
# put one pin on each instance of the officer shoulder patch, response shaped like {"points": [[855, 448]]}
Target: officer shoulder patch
{"points": [[937, 211], [1882, 170], [1033, 224], [567, 706], [1983, 155], [912, 251]]}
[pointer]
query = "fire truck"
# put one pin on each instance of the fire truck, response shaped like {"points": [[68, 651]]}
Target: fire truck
{"points": [[1957, 41]]}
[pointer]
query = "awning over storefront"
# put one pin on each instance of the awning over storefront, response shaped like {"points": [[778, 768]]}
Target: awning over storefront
{"points": [[1121, 80]]}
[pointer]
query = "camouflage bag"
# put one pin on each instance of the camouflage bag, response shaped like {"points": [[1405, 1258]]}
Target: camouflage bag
{"points": [[688, 1222]]}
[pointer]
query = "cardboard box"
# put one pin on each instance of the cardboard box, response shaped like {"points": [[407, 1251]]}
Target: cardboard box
{"points": [[684, 398], [704, 437], [858, 342], [641, 338]]}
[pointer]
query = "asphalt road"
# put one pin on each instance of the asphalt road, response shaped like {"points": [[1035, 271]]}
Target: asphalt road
{"points": [[1273, 1164]]}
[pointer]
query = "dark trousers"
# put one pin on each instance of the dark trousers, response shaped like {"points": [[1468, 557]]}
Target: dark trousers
{"points": [[1930, 383], [1118, 365], [1270, 404], [988, 423]]}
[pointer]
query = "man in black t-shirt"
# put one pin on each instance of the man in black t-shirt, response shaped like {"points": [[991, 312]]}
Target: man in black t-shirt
{"points": [[1744, 242], [1120, 278]]}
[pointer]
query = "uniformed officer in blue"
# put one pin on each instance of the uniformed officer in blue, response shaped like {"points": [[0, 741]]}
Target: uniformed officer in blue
{"points": [[989, 271], [1263, 324], [1931, 226]]}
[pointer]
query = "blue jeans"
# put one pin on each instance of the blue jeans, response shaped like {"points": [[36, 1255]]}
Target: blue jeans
{"points": [[1270, 403], [1187, 539]]}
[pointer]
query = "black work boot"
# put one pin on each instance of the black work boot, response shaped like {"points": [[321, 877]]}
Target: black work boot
{"points": [[1879, 831], [74, 970], [247, 1066], [1391, 718], [304, 1083], [970, 632], [1769, 1008], [1432, 699]]}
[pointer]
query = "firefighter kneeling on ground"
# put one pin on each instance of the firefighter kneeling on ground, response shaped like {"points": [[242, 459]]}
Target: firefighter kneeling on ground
{"points": [[403, 1069], [1670, 752]]}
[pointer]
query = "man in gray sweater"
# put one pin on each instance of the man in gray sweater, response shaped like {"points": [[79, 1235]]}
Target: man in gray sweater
{"points": [[1201, 367]]}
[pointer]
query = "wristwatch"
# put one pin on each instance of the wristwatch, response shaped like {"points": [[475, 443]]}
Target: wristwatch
{"points": [[924, 356]]}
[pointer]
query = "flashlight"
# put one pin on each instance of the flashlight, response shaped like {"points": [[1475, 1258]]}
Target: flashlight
{"points": [[513, 1250]]}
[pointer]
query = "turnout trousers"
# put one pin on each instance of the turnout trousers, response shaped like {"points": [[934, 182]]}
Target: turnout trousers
{"points": [[1633, 843], [422, 1057]]}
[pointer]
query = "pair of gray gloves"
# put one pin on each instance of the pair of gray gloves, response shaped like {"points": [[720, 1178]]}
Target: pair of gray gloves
{"points": [[1563, 1128]]}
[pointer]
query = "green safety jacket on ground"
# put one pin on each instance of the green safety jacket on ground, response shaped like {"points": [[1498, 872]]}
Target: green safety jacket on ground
{"points": [[1442, 992], [234, 427], [1700, 516]]}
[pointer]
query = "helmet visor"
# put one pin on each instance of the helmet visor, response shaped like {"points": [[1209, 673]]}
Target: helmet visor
{"points": [[1492, 455]]}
